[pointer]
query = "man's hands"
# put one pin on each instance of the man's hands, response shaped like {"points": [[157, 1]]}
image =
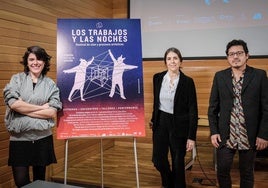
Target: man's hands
{"points": [[261, 143]]}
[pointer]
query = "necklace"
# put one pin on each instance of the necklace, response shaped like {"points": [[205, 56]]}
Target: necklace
{"points": [[171, 86]]}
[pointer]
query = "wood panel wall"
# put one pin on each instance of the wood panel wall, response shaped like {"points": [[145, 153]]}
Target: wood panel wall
{"points": [[34, 22], [29, 22]]}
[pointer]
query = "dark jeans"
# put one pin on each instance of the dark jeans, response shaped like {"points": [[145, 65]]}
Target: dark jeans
{"points": [[164, 140], [225, 158]]}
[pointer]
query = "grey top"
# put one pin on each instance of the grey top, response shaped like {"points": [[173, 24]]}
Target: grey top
{"points": [[25, 128]]}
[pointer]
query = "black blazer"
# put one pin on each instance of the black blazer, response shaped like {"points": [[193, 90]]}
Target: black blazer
{"points": [[254, 101], [185, 106]]}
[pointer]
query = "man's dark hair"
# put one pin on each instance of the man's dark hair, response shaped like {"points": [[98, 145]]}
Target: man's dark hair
{"points": [[236, 43]]}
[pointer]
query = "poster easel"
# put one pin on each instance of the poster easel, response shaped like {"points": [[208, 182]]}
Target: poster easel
{"points": [[94, 58], [102, 170]]}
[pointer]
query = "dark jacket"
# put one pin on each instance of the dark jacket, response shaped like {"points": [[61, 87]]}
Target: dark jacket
{"points": [[185, 106], [254, 101]]}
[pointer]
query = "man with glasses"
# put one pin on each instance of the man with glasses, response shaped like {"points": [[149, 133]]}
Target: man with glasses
{"points": [[238, 115]]}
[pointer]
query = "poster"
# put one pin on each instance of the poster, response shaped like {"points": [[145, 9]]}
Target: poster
{"points": [[100, 77]]}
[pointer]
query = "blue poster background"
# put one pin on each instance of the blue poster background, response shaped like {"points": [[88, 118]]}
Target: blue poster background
{"points": [[99, 73]]}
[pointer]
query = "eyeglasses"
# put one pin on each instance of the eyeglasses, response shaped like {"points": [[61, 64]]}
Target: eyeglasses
{"points": [[239, 54]]}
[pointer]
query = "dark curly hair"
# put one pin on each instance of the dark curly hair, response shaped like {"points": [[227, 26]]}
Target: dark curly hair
{"points": [[236, 43], [41, 54]]}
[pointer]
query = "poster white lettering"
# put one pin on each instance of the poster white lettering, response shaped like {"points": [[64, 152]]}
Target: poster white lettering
{"points": [[99, 73]]}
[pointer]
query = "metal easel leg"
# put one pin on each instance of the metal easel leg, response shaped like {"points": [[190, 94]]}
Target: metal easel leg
{"points": [[136, 162]]}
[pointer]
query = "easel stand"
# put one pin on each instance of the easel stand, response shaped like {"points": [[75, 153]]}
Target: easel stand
{"points": [[102, 171]]}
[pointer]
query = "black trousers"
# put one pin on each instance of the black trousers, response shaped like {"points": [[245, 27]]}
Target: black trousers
{"points": [[165, 140], [225, 158]]}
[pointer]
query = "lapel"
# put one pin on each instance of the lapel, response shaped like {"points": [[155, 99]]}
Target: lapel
{"points": [[247, 78], [159, 82], [180, 86], [227, 78]]}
